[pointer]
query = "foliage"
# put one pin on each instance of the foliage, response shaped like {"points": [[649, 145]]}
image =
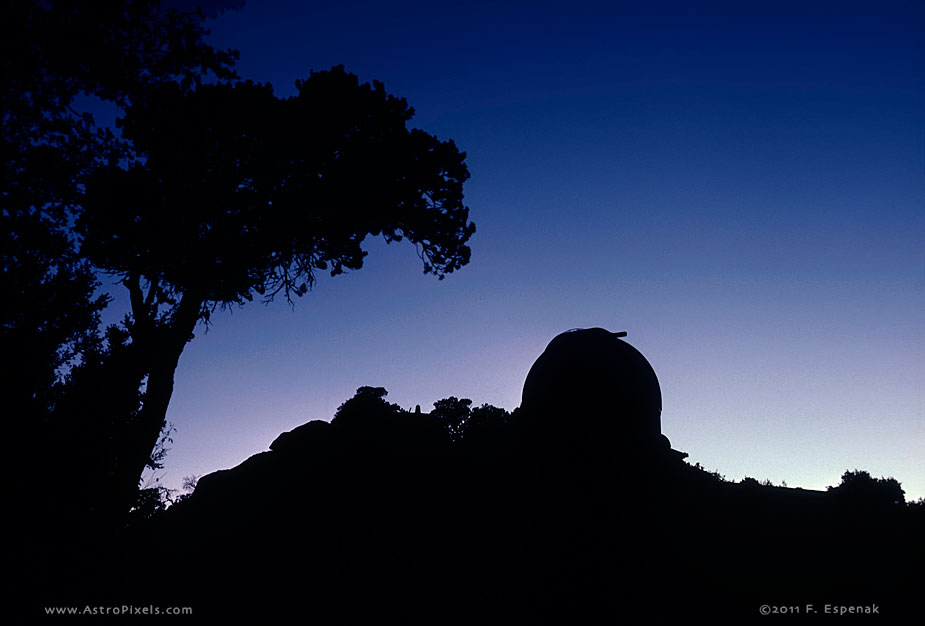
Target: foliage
{"points": [[711, 475], [860, 488], [150, 502], [113, 49], [241, 193], [464, 423], [189, 483], [56, 52], [485, 419], [48, 313], [366, 410], [453, 414], [65, 407], [94, 426]]}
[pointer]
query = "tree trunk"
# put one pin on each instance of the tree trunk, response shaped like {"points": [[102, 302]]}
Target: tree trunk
{"points": [[160, 347]]}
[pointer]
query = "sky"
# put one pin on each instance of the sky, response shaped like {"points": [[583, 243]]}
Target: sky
{"points": [[739, 186]]}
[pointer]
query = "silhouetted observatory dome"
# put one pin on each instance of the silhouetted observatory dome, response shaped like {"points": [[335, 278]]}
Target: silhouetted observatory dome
{"points": [[591, 383]]}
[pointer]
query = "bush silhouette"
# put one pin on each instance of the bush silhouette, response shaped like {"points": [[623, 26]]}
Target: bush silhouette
{"points": [[858, 488]]}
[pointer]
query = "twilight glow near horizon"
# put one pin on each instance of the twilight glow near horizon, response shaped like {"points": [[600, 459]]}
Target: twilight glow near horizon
{"points": [[737, 185]]}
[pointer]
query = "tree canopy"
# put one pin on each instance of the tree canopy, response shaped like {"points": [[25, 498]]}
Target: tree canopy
{"points": [[860, 488], [53, 54], [238, 192]]}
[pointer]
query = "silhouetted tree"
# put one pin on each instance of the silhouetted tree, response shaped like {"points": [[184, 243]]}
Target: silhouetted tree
{"points": [[239, 193], [189, 483], [151, 500], [48, 314], [486, 418], [94, 422], [53, 54], [461, 421], [858, 488], [366, 410], [453, 414], [111, 49]]}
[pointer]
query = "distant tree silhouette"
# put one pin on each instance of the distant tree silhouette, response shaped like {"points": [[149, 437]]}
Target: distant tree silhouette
{"points": [[367, 409], [453, 414], [486, 421], [189, 483], [716, 476], [860, 489], [461, 421], [238, 193]]}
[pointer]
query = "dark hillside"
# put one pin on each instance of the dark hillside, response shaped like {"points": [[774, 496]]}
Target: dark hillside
{"points": [[479, 516]]}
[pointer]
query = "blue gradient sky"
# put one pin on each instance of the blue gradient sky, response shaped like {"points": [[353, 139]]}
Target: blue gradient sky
{"points": [[738, 185]]}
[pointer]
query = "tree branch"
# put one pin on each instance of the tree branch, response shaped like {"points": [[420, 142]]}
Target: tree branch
{"points": [[139, 309], [152, 292]]}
